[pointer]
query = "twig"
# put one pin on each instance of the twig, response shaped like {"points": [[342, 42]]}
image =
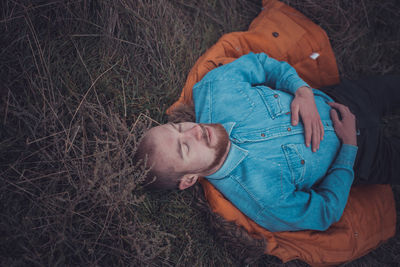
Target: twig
{"points": [[87, 92], [40, 177], [124, 97], [6, 111], [366, 13], [144, 115], [45, 137], [108, 36], [20, 188], [73, 139], [134, 125]]}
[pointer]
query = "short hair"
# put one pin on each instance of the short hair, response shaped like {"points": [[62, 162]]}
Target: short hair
{"points": [[155, 178]]}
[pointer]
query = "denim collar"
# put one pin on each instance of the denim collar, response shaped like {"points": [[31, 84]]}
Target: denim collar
{"points": [[235, 156]]}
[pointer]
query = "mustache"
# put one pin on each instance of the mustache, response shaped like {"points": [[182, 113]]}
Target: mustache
{"points": [[204, 134]]}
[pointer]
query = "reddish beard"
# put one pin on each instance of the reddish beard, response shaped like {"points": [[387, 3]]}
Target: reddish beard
{"points": [[222, 142]]}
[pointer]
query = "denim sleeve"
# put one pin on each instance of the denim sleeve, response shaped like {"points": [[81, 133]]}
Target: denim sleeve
{"points": [[319, 207], [259, 69], [280, 75], [335, 187]]}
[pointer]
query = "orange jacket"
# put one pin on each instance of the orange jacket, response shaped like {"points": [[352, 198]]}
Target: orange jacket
{"points": [[370, 216]]}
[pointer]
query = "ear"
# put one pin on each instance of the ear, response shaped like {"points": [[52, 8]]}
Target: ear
{"points": [[187, 181]]}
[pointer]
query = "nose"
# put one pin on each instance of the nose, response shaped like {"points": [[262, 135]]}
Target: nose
{"points": [[194, 132]]}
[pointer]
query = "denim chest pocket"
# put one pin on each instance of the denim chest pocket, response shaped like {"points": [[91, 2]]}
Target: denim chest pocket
{"points": [[296, 162], [272, 101]]}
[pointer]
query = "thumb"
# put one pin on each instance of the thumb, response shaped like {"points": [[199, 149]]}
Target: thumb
{"points": [[295, 114]]}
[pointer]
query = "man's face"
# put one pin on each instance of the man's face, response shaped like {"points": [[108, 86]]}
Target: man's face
{"points": [[190, 148]]}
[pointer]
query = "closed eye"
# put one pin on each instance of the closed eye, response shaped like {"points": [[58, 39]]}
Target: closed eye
{"points": [[185, 148], [180, 146]]}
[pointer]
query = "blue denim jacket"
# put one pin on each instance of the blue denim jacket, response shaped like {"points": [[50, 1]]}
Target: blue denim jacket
{"points": [[269, 173]]}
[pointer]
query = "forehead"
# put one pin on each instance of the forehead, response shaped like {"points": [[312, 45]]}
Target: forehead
{"points": [[162, 135], [164, 140]]}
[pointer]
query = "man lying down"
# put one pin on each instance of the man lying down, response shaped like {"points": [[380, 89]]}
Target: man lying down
{"points": [[281, 152]]}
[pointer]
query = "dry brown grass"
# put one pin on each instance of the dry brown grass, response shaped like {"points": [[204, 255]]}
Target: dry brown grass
{"points": [[77, 74]]}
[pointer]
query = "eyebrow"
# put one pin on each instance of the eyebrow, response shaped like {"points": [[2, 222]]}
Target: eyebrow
{"points": [[179, 147]]}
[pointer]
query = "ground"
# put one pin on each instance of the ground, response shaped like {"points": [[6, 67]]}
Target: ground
{"points": [[82, 79]]}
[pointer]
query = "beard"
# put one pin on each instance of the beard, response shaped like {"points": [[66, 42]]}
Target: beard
{"points": [[222, 143]]}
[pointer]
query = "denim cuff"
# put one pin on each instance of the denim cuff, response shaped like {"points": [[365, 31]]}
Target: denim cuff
{"points": [[347, 155], [295, 84]]}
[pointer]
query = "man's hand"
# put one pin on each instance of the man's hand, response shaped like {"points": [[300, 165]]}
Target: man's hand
{"points": [[345, 128], [304, 104]]}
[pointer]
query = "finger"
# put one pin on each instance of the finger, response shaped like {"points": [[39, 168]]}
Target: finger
{"points": [[334, 117], [295, 114], [315, 138], [307, 133], [322, 131], [335, 104], [342, 108]]}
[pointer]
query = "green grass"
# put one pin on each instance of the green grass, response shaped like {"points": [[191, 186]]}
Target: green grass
{"points": [[76, 75]]}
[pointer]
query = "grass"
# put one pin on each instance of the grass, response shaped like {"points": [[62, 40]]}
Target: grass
{"points": [[77, 77]]}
